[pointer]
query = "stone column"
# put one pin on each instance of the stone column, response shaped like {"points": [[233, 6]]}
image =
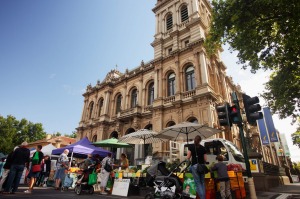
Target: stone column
{"points": [[84, 110], [156, 86], [203, 67], [106, 102], [197, 69]]}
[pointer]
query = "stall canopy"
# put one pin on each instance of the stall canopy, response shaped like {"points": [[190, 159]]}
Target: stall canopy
{"points": [[47, 150], [82, 147]]}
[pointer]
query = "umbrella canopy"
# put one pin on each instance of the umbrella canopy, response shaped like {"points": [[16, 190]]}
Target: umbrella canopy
{"points": [[82, 147], [186, 130], [112, 142], [47, 150], [143, 136]]}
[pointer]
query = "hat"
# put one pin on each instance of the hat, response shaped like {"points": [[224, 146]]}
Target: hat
{"points": [[16, 148], [24, 143]]}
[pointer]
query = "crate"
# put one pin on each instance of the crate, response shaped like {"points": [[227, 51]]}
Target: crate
{"points": [[240, 193], [231, 174]]}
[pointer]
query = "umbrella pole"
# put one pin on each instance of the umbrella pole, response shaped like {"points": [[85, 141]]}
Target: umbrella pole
{"points": [[71, 159], [144, 150]]}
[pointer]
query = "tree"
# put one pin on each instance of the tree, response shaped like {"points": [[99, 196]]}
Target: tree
{"points": [[57, 134], [296, 136], [14, 132], [266, 35], [73, 135]]}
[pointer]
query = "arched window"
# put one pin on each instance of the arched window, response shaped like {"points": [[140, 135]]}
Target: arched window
{"points": [[193, 120], [184, 13], [151, 93], [190, 78], [169, 21], [171, 84], [118, 104], [133, 98], [94, 139], [114, 134], [100, 106], [91, 107], [171, 123]]}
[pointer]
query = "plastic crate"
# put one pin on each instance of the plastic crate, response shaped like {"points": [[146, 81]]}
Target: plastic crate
{"points": [[240, 193]]}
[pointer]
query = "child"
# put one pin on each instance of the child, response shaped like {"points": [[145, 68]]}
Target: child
{"points": [[223, 178]]}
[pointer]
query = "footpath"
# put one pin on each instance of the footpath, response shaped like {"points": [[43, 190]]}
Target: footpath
{"points": [[281, 192]]}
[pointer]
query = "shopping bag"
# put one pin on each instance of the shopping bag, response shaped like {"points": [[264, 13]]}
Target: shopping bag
{"points": [[109, 184], [92, 178], [36, 168]]}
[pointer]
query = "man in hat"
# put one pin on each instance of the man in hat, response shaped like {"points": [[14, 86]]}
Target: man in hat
{"points": [[20, 159]]}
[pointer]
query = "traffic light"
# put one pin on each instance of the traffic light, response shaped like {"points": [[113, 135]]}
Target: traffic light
{"points": [[235, 115], [252, 109], [223, 115]]}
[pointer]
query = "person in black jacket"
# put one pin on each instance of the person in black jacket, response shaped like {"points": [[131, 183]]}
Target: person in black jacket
{"points": [[6, 168], [20, 158], [36, 161], [198, 154]]}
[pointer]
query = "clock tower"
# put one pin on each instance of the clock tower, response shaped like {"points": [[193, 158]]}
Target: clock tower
{"points": [[179, 23]]}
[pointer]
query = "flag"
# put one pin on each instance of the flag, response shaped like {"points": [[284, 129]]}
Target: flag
{"points": [[263, 132], [270, 125]]}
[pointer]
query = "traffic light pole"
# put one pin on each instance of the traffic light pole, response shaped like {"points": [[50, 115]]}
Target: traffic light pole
{"points": [[241, 131]]}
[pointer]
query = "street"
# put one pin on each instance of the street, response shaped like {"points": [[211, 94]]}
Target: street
{"points": [[50, 193], [283, 192]]}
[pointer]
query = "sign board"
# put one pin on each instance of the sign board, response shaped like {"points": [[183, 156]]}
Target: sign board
{"points": [[254, 165], [121, 187]]}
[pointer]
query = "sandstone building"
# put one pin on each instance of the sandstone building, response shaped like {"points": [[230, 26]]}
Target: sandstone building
{"points": [[182, 83]]}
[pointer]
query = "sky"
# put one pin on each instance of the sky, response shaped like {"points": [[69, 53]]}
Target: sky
{"points": [[51, 50]]}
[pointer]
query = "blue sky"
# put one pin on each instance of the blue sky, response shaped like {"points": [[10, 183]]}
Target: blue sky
{"points": [[51, 50]]}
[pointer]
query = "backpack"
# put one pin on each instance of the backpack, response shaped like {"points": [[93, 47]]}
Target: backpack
{"points": [[107, 167]]}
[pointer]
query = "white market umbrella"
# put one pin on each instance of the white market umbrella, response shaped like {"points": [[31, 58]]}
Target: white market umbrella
{"points": [[143, 136], [186, 130]]}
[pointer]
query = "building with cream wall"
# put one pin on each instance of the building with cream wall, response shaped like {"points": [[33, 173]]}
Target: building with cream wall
{"points": [[182, 83]]}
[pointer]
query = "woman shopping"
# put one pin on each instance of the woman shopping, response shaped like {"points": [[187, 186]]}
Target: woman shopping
{"points": [[35, 167]]}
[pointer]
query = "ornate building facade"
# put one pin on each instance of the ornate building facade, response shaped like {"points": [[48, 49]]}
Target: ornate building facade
{"points": [[182, 83]]}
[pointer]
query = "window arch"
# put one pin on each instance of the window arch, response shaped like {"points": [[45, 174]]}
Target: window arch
{"points": [[171, 84], [134, 98], [171, 123], [94, 139], [169, 21], [190, 78], [91, 107], [184, 13], [193, 120], [118, 103], [100, 106], [114, 134], [151, 93]]}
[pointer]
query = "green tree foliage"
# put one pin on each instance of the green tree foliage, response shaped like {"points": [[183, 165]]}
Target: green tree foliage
{"points": [[57, 134], [296, 136], [266, 34], [73, 135], [13, 132]]}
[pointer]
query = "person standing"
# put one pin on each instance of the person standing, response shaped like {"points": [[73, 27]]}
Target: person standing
{"points": [[20, 159], [104, 173], [198, 154], [6, 168], [61, 166], [35, 162], [46, 168], [223, 178], [124, 162]]}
